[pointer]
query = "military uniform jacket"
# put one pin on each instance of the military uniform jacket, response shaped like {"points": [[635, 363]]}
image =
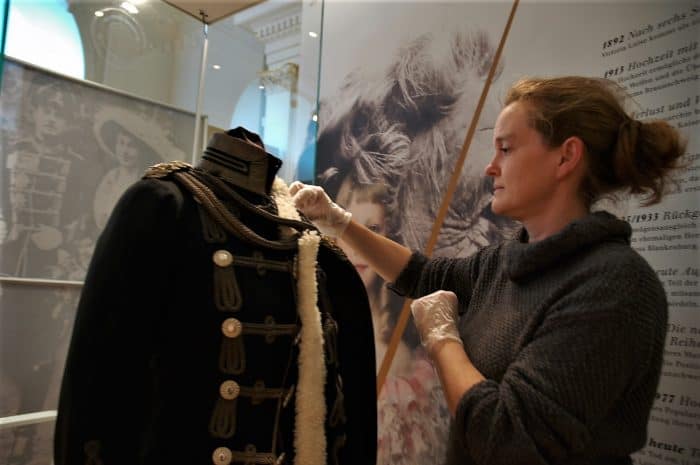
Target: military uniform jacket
{"points": [[169, 363]]}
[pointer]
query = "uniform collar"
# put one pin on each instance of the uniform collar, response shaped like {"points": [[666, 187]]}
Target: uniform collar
{"points": [[240, 163]]}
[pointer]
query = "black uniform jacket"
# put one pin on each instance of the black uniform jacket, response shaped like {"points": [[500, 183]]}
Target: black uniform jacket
{"points": [[145, 372]]}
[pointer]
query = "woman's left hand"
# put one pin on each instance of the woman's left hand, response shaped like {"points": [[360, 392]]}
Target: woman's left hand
{"points": [[436, 318]]}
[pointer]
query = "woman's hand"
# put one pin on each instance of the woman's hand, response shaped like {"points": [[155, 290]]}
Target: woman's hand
{"points": [[436, 318], [315, 204]]}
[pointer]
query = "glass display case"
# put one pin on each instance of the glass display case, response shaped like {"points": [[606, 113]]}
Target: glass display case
{"points": [[114, 88]]}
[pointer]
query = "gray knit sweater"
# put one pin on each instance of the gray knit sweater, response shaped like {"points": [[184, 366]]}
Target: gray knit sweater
{"points": [[568, 333]]}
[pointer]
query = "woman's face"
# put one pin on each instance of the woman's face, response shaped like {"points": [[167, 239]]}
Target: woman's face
{"points": [[125, 150], [371, 215], [523, 167]]}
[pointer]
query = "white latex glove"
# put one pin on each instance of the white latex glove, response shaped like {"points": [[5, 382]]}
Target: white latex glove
{"points": [[436, 318], [313, 202]]}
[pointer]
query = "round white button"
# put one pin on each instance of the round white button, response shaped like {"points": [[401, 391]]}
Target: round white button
{"points": [[223, 258], [231, 327], [229, 390], [222, 456]]}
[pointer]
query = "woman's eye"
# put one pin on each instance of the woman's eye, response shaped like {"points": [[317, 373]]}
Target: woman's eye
{"points": [[505, 149], [374, 227]]}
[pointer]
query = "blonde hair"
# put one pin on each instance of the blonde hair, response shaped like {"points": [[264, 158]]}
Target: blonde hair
{"points": [[622, 153]]}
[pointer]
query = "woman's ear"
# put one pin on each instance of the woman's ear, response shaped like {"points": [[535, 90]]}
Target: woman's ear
{"points": [[571, 157]]}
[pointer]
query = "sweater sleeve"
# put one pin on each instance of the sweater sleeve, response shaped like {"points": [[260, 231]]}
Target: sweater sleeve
{"points": [[584, 362], [103, 394], [422, 275]]}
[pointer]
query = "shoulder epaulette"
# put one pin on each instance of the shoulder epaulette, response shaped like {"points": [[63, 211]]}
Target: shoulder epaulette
{"points": [[163, 170]]}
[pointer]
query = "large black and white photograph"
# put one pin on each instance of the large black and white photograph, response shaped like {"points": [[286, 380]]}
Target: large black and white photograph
{"points": [[68, 151], [395, 103], [395, 107]]}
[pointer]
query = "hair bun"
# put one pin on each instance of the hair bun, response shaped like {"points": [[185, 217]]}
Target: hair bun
{"points": [[628, 133], [646, 155]]}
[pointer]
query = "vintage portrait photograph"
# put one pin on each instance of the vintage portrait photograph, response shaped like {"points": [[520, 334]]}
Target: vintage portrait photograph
{"points": [[68, 151]]}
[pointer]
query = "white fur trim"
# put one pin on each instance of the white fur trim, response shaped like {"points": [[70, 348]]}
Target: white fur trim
{"points": [[310, 419], [309, 430], [285, 205]]}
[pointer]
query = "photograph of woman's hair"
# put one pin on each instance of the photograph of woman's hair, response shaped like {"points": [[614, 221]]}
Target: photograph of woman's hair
{"points": [[387, 146]]}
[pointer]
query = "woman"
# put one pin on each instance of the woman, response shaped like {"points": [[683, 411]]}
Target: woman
{"points": [[537, 340], [130, 150]]}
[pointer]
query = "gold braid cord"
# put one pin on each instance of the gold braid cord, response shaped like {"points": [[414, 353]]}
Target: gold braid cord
{"points": [[228, 191], [221, 215], [184, 173]]}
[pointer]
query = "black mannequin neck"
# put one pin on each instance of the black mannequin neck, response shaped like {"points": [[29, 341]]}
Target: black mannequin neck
{"points": [[238, 157]]}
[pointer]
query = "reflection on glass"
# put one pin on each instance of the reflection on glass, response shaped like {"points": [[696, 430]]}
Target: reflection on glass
{"points": [[268, 79], [148, 49], [46, 34]]}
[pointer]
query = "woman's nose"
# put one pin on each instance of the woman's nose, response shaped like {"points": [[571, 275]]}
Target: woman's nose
{"points": [[491, 168]]}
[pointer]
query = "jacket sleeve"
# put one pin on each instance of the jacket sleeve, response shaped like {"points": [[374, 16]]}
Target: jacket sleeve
{"points": [[585, 359], [104, 392]]}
